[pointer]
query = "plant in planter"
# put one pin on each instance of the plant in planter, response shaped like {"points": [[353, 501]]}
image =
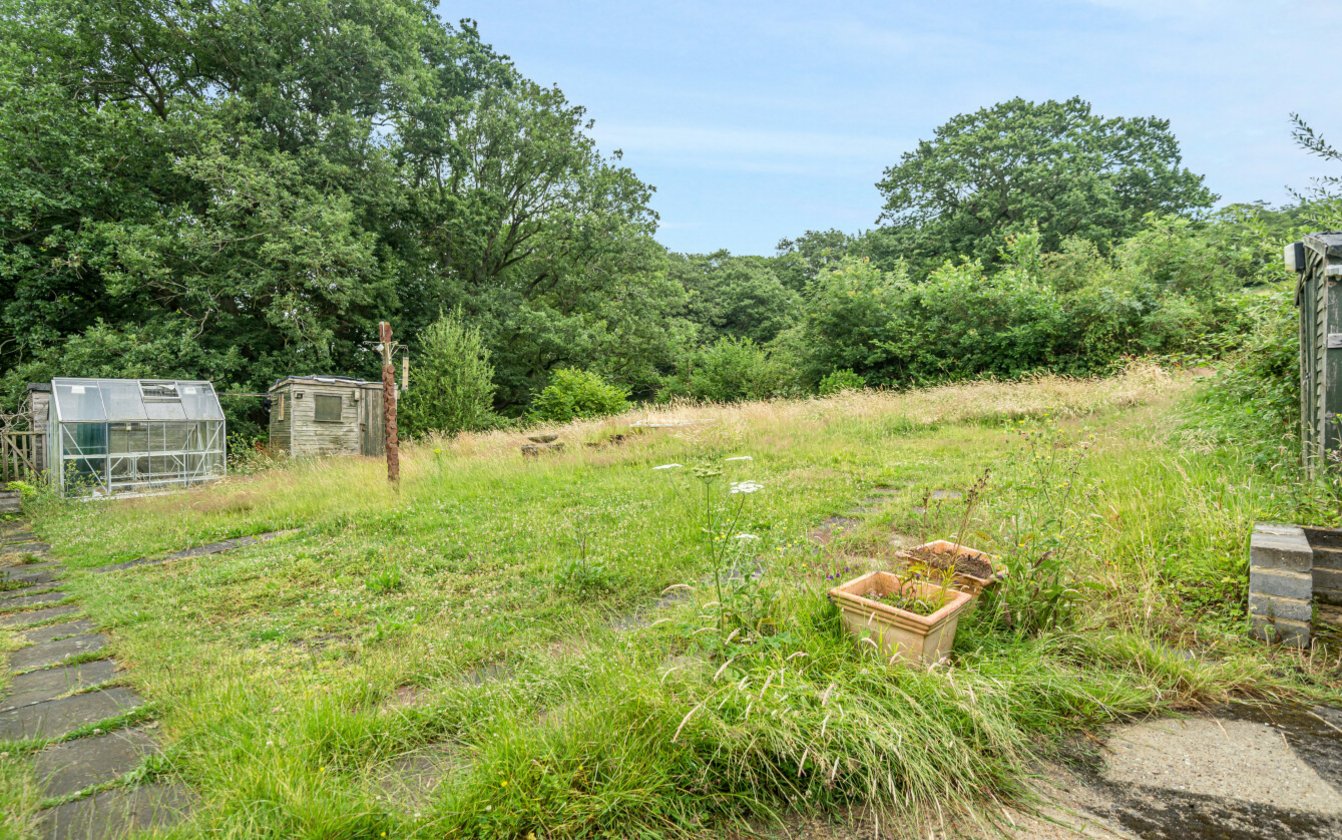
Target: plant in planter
{"points": [[903, 617], [970, 569]]}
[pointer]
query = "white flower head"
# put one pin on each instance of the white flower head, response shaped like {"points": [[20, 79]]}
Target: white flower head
{"points": [[668, 467], [739, 458], [746, 486], [746, 537]]}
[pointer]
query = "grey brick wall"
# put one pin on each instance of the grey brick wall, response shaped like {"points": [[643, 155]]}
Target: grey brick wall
{"points": [[1281, 584]]}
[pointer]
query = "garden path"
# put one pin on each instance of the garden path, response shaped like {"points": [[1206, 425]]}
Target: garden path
{"points": [[92, 740]]}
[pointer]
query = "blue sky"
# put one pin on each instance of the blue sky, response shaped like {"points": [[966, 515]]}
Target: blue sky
{"points": [[756, 121]]}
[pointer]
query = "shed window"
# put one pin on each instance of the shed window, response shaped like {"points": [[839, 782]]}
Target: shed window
{"points": [[327, 408]]}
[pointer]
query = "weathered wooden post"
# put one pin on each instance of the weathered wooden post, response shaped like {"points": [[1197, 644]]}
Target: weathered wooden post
{"points": [[1317, 260], [388, 350]]}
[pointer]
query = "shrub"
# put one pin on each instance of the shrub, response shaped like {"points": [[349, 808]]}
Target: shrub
{"points": [[840, 381], [574, 394], [731, 370], [452, 388]]}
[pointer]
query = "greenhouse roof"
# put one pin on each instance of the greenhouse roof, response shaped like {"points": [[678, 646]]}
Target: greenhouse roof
{"points": [[130, 400]]}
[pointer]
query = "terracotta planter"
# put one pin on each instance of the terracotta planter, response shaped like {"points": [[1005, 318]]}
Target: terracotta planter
{"points": [[899, 633], [963, 581]]}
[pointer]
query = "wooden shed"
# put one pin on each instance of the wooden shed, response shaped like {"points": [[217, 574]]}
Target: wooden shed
{"points": [[37, 404], [1317, 260], [326, 415]]}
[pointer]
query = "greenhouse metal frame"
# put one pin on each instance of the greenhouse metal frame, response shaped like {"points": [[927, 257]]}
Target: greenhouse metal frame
{"points": [[109, 436]]}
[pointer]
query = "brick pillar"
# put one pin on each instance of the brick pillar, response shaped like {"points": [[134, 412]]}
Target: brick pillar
{"points": [[1281, 584]]}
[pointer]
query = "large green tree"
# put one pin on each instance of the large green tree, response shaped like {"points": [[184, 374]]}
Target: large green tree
{"points": [[1018, 165], [263, 181]]}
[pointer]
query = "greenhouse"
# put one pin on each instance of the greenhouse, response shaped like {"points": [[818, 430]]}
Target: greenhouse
{"points": [[107, 436]]}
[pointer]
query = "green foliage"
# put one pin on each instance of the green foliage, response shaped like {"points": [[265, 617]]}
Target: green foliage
{"points": [[384, 581], [739, 297], [1253, 402], [453, 382], [730, 370], [1043, 544], [577, 394], [840, 381], [1003, 169], [1322, 201], [240, 191]]}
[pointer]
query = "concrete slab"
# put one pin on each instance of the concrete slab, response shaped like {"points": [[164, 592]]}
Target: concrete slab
{"points": [[25, 619], [52, 632], [1227, 759], [409, 780], [56, 718], [53, 653], [26, 601], [118, 813], [48, 684], [63, 769]]}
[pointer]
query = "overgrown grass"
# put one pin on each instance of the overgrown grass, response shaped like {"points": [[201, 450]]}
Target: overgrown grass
{"points": [[485, 610]]}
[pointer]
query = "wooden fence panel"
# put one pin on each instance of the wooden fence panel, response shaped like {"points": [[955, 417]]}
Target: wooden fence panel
{"points": [[18, 455]]}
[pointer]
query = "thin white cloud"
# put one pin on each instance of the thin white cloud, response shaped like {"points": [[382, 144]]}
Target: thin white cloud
{"points": [[742, 141]]}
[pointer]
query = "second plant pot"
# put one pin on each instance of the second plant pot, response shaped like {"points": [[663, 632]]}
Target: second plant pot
{"points": [[974, 570]]}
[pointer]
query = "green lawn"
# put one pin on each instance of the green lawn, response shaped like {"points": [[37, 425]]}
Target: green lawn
{"points": [[480, 617]]}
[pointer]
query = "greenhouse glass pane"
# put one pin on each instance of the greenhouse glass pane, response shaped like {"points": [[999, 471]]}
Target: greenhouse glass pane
{"points": [[77, 400], [127, 437], [199, 401], [84, 438], [164, 411], [121, 398]]}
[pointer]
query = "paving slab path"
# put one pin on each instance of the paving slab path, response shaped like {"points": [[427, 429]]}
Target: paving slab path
{"points": [[63, 685], [195, 551]]}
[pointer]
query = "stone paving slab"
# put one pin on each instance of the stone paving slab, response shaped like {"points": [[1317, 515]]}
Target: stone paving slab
{"points": [[197, 551], [28, 578], [40, 565], [68, 768], [409, 780], [48, 684], [32, 601], [24, 619], [21, 550], [52, 632], [118, 813], [53, 653], [10, 596], [56, 718]]}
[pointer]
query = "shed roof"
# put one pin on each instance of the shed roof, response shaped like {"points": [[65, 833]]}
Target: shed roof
{"points": [[325, 380], [130, 400], [1328, 243]]}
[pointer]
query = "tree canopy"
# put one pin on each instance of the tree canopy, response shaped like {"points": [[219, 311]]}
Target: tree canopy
{"points": [[1020, 165], [265, 181]]}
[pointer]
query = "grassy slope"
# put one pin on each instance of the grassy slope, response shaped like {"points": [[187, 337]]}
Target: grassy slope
{"points": [[276, 669]]}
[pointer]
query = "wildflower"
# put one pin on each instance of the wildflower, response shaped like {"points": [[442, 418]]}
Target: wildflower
{"points": [[668, 467], [739, 458], [745, 487], [746, 537]]}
